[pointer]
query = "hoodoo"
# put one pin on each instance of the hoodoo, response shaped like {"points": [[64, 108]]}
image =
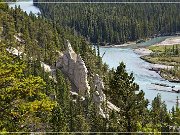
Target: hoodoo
{"points": [[74, 67]]}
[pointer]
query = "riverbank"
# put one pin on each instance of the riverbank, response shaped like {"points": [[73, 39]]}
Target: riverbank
{"points": [[140, 43], [143, 51], [129, 43], [144, 77], [167, 72], [121, 45], [164, 57], [169, 41], [155, 66]]}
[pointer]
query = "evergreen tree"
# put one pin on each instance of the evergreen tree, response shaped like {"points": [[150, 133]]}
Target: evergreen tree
{"points": [[114, 23], [159, 115], [23, 106], [126, 95]]}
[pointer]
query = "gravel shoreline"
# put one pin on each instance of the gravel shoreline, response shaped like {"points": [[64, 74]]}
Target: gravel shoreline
{"points": [[121, 45], [169, 41], [143, 51], [154, 67]]}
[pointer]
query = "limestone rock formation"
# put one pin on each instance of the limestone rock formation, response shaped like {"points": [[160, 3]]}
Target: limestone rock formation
{"points": [[74, 67], [46, 67], [98, 95], [19, 38], [100, 98]]}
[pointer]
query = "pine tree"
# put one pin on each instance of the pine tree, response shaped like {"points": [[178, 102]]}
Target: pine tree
{"points": [[23, 106], [159, 115], [126, 95], [59, 120], [176, 116]]}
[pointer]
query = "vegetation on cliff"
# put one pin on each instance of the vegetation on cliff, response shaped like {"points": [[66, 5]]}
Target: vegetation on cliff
{"points": [[31, 101]]}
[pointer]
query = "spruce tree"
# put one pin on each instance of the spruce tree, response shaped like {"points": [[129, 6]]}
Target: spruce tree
{"points": [[158, 114], [126, 95]]}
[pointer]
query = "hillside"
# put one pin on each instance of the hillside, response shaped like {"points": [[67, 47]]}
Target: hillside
{"points": [[40, 62], [114, 23]]}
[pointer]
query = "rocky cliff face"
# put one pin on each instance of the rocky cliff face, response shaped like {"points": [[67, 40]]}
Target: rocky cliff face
{"points": [[100, 98], [74, 67], [98, 95]]}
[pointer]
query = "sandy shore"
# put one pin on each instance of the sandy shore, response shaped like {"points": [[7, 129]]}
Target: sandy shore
{"points": [[169, 41], [157, 67], [121, 45], [143, 51]]}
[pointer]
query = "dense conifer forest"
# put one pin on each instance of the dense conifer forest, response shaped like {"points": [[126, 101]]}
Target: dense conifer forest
{"points": [[30, 101], [115, 23]]}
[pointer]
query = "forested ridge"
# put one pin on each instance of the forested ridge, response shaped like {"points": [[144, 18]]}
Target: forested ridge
{"points": [[115, 23], [31, 101]]}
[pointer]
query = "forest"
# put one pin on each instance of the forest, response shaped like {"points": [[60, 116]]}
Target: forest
{"points": [[33, 102], [114, 23]]}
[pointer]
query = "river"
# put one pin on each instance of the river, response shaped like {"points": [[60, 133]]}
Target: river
{"points": [[26, 5], [143, 76], [139, 67]]}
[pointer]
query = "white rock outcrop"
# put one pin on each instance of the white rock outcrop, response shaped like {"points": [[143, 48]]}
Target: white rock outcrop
{"points": [[46, 67], [14, 51], [100, 98], [98, 95], [74, 67]]}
